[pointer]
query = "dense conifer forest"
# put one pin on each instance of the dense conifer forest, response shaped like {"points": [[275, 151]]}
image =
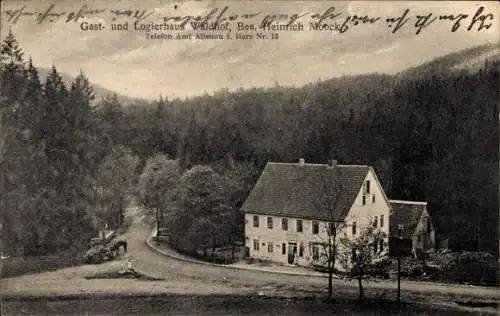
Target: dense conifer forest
{"points": [[68, 161]]}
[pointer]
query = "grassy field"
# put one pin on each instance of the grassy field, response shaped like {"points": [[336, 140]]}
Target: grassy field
{"points": [[110, 293], [16, 266], [173, 304]]}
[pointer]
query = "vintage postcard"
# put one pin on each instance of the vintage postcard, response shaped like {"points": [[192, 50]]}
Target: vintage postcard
{"points": [[249, 157]]}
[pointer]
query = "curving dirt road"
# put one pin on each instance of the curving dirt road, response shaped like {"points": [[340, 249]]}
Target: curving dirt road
{"points": [[168, 268]]}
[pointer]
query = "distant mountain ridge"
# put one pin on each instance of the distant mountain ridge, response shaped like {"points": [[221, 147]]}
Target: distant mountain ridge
{"points": [[471, 59]]}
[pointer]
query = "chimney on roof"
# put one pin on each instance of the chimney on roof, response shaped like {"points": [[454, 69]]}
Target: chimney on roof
{"points": [[332, 163], [302, 162]]}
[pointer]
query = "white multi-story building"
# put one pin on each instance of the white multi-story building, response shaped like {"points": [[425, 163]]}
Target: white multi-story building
{"points": [[286, 217]]}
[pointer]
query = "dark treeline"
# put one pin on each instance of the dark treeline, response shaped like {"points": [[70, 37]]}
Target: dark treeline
{"points": [[432, 138], [62, 177]]}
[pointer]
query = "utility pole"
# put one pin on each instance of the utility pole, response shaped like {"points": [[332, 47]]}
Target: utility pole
{"points": [[400, 249], [157, 225], [399, 280], [2, 210]]}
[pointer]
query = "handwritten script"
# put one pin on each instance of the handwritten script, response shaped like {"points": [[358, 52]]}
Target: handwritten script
{"points": [[478, 20]]}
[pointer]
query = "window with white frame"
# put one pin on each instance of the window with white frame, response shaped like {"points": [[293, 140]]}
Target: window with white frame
{"points": [[256, 245], [315, 227], [269, 222], [284, 224], [256, 221], [315, 251], [299, 225], [367, 186]]}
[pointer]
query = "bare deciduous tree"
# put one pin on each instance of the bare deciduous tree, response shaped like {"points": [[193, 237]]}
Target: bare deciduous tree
{"points": [[330, 206]]}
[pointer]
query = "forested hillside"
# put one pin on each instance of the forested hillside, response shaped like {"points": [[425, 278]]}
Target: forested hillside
{"points": [[62, 176], [431, 134]]}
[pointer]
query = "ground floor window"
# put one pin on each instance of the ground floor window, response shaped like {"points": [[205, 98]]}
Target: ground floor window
{"points": [[315, 249], [256, 245], [301, 250], [269, 247], [283, 249]]}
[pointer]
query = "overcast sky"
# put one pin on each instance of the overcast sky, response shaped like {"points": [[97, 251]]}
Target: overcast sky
{"points": [[128, 63]]}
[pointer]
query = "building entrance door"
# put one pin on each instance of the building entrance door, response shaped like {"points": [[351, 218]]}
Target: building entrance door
{"points": [[292, 252]]}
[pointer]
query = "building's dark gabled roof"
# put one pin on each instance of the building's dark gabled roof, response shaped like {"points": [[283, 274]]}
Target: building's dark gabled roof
{"points": [[292, 190], [406, 213]]}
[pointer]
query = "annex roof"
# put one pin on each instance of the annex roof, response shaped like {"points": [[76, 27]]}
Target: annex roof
{"points": [[406, 213]]}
